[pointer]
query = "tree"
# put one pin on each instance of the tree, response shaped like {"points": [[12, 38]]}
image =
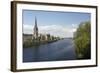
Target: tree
{"points": [[82, 40]]}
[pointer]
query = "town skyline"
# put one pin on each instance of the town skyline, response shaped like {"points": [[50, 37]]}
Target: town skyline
{"points": [[53, 25]]}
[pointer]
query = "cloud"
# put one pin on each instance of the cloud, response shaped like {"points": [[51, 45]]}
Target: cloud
{"points": [[28, 29], [56, 30]]}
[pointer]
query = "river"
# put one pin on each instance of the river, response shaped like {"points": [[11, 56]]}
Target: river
{"points": [[56, 51]]}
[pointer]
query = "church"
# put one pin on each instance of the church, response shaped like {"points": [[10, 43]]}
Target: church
{"points": [[40, 36], [37, 38]]}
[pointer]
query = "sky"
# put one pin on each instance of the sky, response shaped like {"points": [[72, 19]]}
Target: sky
{"points": [[61, 24]]}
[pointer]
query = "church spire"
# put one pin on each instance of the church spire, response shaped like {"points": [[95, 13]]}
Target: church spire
{"points": [[35, 34], [35, 22]]}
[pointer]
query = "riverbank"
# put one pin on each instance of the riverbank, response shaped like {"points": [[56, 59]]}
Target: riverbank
{"points": [[36, 43]]}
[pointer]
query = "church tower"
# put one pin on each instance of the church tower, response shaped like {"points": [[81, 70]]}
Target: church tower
{"points": [[35, 30]]}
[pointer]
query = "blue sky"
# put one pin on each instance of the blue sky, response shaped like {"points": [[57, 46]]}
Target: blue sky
{"points": [[61, 24]]}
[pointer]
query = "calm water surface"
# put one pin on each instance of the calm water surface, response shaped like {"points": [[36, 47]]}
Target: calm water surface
{"points": [[59, 50]]}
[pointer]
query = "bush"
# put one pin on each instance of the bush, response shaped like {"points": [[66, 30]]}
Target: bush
{"points": [[82, 40]]}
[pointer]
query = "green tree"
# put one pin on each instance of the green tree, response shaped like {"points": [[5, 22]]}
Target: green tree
{"points": [[82, 40]]}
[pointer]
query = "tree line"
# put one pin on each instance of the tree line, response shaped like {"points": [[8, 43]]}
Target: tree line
{"points": [[82, 40]]}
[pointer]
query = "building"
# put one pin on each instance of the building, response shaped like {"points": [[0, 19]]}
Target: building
{"points": [[36, 36]]}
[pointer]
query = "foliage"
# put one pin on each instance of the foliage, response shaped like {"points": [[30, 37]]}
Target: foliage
{"points": [[37, 42], [82, 40]]}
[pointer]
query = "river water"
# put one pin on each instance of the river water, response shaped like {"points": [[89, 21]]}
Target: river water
{"points": [[56, 51]]}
